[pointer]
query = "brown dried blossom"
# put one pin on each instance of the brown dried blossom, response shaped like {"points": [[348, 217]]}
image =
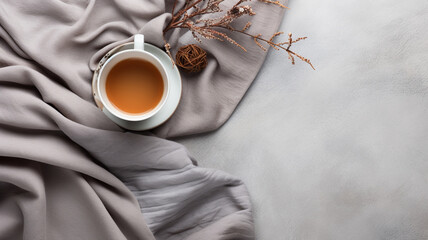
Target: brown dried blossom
{"points": [[208, 28]]}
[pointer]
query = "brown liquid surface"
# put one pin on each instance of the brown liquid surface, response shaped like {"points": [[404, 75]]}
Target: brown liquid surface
{"points": [[134, 86]]}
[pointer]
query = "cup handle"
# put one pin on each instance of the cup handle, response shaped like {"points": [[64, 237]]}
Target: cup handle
{"points": [[139, 42]]}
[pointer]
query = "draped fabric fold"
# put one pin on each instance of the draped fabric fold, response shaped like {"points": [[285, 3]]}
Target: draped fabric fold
{"points": [[68, 172]]}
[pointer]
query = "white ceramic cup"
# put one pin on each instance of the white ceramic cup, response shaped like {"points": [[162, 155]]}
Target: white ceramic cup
{"points": [[139, 53]]}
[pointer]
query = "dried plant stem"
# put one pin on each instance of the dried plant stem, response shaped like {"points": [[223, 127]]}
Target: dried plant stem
{"points": [[276, 45], [173, 23], [167, 49], [274, 2], [173, 7], [207, 27]]}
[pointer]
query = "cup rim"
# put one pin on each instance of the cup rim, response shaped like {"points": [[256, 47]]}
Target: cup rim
{"points": [[121, 114]]}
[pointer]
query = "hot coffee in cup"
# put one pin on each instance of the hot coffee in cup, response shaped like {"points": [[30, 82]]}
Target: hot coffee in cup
{"points": [[133, 84]]}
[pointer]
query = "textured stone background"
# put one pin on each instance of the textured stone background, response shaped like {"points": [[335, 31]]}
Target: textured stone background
{"points": [[341, 152]]}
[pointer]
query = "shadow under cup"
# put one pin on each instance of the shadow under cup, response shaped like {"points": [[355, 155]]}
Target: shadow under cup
{"points": [[113, 61]]}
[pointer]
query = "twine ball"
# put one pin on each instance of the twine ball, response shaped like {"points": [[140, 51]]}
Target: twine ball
{"points": [[191, 58]]}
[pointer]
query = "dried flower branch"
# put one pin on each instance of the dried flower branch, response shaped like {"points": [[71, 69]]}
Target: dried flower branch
{"points": [[273, 2], [248, 25], [208, 28], [259, 44]]}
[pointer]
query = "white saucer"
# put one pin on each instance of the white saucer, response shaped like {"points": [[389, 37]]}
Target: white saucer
{"points": [[171, 103]]}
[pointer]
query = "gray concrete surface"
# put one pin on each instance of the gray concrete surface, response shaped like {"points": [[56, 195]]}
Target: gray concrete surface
{"points": [[341, 152]]}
